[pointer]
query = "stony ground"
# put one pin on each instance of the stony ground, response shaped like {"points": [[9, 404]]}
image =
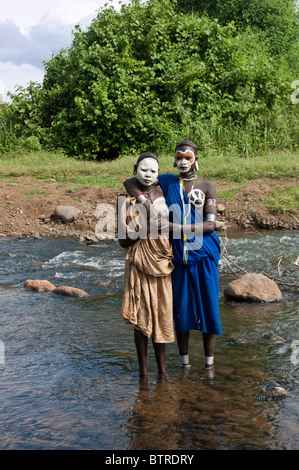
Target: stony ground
{"points": [[27, 207]]}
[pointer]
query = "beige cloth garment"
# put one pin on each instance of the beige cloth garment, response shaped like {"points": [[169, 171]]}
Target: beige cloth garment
{"points": [[147, 300]]}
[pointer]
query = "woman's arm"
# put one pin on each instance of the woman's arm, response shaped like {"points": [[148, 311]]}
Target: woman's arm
{"points": [[133, 190], [131, 186], [210, 207], [209, 212], [205, 228], [128, 240]]}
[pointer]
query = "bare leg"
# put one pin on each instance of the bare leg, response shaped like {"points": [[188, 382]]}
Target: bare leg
{"points": [[183, 345], [141, 348], [209, 342], [159, 349]]}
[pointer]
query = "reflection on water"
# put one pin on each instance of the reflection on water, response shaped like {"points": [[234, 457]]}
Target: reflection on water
{"points": [[70, 377], [196, 413]]}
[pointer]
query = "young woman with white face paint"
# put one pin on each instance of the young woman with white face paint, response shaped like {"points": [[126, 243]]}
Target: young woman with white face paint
{"points": [[147, 300], [195, 274], [147, 172]]}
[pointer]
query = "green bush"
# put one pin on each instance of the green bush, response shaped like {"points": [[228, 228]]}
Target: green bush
{"points": [[7, 137], [23, 113], [276, 20], [148, 76], [20, 125]]}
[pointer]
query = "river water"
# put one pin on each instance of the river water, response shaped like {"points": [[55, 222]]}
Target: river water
{"points": [[68, 368]]}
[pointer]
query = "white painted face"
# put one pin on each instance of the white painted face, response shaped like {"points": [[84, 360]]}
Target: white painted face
{"points": [[184, 160], [147, 171]]}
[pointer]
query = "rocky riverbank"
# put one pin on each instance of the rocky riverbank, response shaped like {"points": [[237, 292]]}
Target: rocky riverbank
{"points": [[27, 208]]}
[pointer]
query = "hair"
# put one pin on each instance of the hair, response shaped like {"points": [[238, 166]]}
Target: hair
{"points": [[142, 156], [187, 143]]}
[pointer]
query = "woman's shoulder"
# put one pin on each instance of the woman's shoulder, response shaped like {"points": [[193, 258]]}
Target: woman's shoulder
{"points": [[208, 187]]}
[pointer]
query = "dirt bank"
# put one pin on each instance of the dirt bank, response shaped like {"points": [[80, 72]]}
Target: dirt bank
{"points": [[27, 207]]}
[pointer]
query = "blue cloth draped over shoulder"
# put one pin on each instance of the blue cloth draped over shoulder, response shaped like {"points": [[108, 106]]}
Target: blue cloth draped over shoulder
{"points": [[198, 247], [195, 284]]}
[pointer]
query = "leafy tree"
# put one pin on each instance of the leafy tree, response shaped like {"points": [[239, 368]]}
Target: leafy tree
{"points": [[23, 112], [20, 124], [149, 75], [277, 19], [6, 136], [140, 77]]}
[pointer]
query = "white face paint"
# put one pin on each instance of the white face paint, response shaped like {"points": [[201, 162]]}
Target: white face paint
{"points": [[184, 160], [147, 171]]}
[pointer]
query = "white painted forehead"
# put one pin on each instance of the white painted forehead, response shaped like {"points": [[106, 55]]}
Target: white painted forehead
{"points": [[184, 152], [149, 163]]}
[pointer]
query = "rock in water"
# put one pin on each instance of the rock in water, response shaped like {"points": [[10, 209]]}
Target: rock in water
{"points": [[39, 285], [70, 291], [66, 214], [277, 393], [253, 288]]}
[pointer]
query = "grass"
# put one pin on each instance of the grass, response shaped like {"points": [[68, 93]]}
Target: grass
{"points": [[35, 192], [286, 200], [111, 174], [228, 193]]}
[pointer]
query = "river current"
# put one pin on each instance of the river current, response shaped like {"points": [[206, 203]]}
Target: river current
{"points": [[68, 367]]}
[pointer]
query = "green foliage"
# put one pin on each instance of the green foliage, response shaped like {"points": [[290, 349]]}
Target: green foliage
{"points": [[219, 168], [148, 76], [228, 193], [24, 110], [278, 20], [7, 138], [20, 125]]}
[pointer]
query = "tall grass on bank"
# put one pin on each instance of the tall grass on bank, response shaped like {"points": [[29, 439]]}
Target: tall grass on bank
{"points": [[111, 173]]}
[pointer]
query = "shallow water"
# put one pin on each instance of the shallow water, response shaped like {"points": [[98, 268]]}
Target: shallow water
{"points": [[69, 376]]}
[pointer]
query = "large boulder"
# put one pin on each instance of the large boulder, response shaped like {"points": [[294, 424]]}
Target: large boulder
{"points": [[39, 285], [66, 214], [253, 288], [70, 291]]}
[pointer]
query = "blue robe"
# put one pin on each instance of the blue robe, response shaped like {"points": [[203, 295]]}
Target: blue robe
{"points": [[195, 282]]}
